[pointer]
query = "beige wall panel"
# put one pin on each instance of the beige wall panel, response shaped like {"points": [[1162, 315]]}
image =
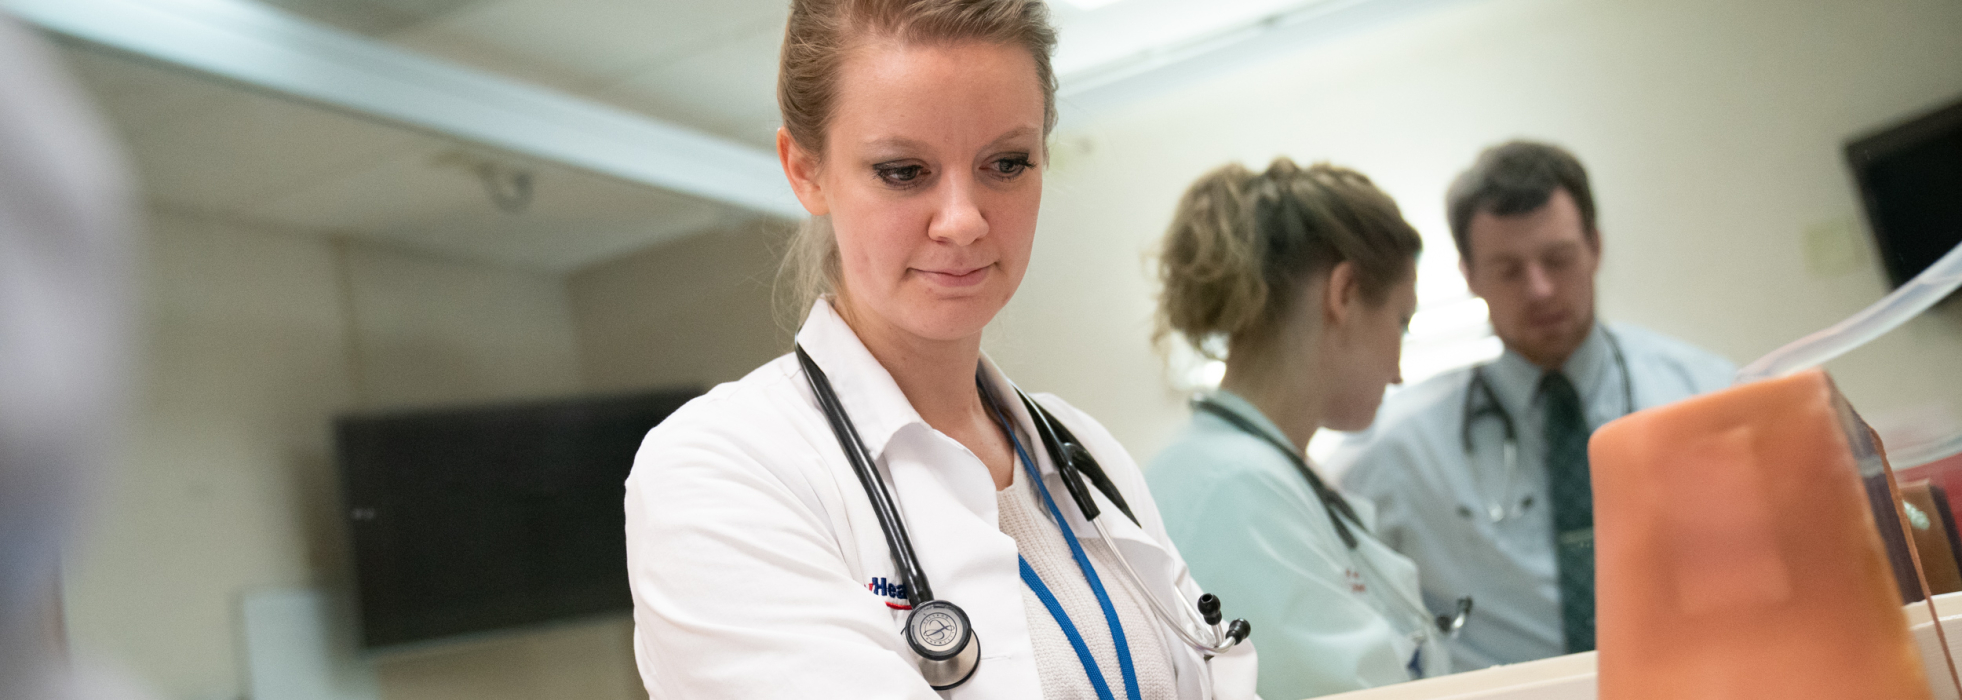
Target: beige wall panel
{"points": [[437, 332], [696, 311], [225, 481]]}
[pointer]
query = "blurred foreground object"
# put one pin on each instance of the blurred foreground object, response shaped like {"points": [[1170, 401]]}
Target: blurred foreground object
{"points": [[66, 218], [1739, 555], [1755, 543]]}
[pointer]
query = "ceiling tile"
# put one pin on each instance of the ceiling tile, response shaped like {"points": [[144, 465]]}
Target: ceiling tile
{"points": [[430, 199], [371, 16], [137, 95], [1128, 30], [602, 40], [459, 47], [253, 146], [730, 90]]}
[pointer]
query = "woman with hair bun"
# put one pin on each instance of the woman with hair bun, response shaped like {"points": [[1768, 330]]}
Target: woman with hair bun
{"points": [[782, 530], [1307, 277]]}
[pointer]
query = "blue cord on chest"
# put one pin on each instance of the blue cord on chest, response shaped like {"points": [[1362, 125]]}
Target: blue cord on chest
{"points": [[1055, 607]]}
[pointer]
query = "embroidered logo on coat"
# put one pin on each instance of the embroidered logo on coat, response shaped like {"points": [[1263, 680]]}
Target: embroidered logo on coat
{"points": [[894, 592]]}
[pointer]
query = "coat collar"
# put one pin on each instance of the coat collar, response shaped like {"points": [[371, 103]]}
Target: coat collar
{"points": [[1248, 412], [1517, 380], [870, 396], [879, 410]]}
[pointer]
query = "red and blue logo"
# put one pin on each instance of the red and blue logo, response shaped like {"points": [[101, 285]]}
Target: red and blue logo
{"points": [[891, 591]]}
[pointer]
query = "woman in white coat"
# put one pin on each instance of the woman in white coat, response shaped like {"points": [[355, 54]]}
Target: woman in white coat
{"points": [[1308, 276], [914, 134]]}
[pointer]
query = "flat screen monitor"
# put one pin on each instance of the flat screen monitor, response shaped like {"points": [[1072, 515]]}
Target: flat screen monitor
{"points": [[1911, 182], [467, 521]]}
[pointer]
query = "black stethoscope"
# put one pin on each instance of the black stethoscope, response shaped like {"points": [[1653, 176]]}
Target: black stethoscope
{"points": [[1333, 503], [1482, 402], [938, 630], [1337, 507]]}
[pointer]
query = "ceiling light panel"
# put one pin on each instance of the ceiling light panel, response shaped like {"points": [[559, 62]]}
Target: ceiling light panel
{"points": [[1117, 31], [603, 41]]}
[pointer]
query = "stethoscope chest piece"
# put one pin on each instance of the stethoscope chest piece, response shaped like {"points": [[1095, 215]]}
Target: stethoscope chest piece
{"points": [[949, 651]]}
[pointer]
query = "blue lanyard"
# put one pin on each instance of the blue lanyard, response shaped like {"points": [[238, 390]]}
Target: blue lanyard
{"points": [[1049, 601]]}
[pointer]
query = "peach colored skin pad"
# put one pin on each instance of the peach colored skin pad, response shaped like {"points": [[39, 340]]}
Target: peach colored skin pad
{"points": [[1736, 557]]}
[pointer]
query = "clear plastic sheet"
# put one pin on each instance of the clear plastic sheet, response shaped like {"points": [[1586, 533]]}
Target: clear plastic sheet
{"points": [[1918, 479]]}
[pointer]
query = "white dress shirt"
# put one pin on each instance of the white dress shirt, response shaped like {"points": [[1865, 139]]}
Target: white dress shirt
{"points": [[1435, 501], [1025, 517]]}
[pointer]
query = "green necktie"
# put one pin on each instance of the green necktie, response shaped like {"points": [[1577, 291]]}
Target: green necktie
{"points": [[1572, 489]]}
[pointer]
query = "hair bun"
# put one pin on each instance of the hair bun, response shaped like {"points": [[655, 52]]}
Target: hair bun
{"points": [[1238, 237]]}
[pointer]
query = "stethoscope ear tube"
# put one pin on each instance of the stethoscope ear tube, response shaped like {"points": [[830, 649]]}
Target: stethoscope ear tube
{"points": [[937, 630], [1333, 503], [1073, 462], [1235, 632], [1450, 624], [918, 591], [1482, 401], [1063, 455]]}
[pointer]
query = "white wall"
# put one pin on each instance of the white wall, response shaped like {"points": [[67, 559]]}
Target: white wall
{"points": [[1713, 132], [256, 339], [222, 483]]}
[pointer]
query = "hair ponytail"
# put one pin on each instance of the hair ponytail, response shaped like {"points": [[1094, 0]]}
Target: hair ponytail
{"points": [[1205, 258], [1239, 241]]}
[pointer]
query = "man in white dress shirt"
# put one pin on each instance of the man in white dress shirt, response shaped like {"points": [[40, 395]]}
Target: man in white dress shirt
{"points": [[1480, 475]]}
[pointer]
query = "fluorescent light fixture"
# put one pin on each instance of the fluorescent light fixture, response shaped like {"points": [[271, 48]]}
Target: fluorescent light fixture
{"points": [[1101, 47]]}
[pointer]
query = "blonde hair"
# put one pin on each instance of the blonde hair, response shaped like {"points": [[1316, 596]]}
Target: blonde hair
{"points": [[1239, 240], [817, 40]]}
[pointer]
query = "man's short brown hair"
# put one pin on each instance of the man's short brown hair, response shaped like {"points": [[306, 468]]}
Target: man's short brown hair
{"points": [[1514, 178]]}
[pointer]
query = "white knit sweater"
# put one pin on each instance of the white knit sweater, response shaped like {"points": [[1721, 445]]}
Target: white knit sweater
{"points": [[1040, 541]]}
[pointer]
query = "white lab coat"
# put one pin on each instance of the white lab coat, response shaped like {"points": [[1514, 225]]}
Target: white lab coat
{"points": [[1432, 498], [1330, 619], [754, 554]]}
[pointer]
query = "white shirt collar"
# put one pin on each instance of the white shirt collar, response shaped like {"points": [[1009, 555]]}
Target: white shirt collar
{"points": [[878, 408], [1517, 380]]}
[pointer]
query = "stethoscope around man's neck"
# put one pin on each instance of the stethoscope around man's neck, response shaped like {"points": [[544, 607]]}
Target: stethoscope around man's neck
{"points": [[1481, 401], [938, 630]]}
